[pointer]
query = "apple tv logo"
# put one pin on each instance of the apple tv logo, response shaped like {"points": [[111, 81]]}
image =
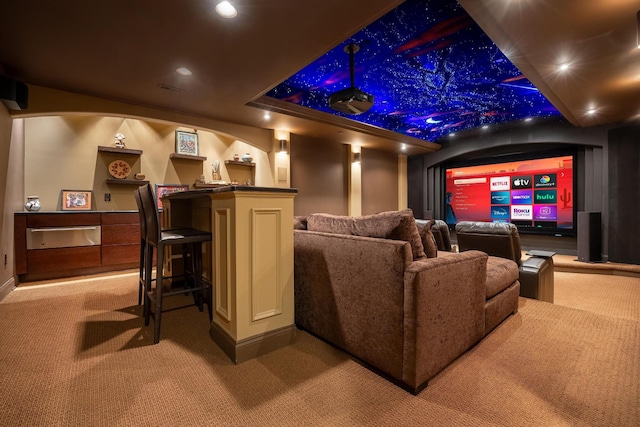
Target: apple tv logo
{"points": [[524, 181]]}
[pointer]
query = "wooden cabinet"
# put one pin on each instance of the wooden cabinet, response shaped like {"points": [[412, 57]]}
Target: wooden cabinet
{"points": [[116, 245], [63, 260], [120, 239]]}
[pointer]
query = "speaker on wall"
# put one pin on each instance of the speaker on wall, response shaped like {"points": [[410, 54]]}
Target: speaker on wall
{"points": [[13, 94], [589, 236]]}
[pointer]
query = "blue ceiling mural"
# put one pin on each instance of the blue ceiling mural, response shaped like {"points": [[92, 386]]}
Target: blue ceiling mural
{"points": [[431, 70]]}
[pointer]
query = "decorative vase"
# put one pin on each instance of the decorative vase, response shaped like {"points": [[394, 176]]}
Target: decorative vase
{"points": [[247, 158], [33, 203]]}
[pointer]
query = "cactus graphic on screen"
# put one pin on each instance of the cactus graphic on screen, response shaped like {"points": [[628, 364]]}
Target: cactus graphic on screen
{"points": [[566, 199]]}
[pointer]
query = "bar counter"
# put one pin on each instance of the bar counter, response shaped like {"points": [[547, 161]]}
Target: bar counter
{"points": [[249, 262]]}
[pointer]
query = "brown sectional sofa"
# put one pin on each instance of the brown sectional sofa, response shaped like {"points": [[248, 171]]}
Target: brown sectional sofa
{"points": [[373, 292]]}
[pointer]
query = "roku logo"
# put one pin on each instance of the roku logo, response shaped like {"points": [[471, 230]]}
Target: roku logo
{"points": [[521, 212]]}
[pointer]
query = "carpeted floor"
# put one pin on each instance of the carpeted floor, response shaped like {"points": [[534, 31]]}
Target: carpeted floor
{"points": [[78, 354]]}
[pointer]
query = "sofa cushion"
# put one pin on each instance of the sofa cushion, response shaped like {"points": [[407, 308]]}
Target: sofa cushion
{"points": [[395, 225], [327, 223], [501, 273], [427, 237]]}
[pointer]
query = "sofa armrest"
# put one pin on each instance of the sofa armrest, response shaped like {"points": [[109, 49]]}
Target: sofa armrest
{"points": [[349, 291], [444, 312]]}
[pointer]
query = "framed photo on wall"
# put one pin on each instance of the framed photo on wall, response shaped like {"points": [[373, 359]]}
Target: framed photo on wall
{"points": [[76, 200], [162, 189], [186, 143]]}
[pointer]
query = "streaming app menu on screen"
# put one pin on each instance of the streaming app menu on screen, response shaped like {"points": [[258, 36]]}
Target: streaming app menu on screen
{"points": [[532, 193]]}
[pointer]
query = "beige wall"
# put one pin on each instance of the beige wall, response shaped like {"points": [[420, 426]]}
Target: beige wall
{"points": [[379, 181], [328, 181], [11, 190], [319, 172], [61, 152]]}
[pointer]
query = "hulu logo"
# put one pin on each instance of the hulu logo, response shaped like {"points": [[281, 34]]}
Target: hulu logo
{"points": [[545, 196]]}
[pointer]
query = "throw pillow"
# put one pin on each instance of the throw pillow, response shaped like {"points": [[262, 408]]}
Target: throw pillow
{"points": [[428, 239], [299, 222]]}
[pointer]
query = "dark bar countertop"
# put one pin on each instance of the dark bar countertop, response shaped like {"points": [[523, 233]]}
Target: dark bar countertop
{"points": [[227, 189], [75, 212]]}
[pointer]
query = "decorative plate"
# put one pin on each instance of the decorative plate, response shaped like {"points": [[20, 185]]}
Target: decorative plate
{"points": [[119, 169]]}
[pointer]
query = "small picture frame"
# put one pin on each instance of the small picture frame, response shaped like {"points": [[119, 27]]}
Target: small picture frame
{"points": [[187, 143], [76, 200], [162, 189]]}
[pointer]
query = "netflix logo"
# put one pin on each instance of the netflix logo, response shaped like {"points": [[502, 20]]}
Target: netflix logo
{"points": [[500, 183]]}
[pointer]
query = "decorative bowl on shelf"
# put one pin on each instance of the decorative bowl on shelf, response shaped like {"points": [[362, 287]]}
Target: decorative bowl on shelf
{"points": [[139, 176], [247, 158]]}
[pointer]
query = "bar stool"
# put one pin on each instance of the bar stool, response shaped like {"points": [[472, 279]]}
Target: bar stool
{"points": [[143, 247], [192, 240]]}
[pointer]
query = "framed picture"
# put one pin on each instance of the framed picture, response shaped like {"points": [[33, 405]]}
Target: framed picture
{"points": [[76, 200], [162, 189], [186, 143]]}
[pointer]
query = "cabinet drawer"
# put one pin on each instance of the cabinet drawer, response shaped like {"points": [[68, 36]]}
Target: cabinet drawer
{"points": [[120, 254], [62, 219], [61, 259], [63, 237], [118, 234], [120, 218]]}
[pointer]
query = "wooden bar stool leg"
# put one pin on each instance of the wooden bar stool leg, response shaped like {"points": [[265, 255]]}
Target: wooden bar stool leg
{"points": [[141, 276], [197, 271], [157, 316], [147, 284]]}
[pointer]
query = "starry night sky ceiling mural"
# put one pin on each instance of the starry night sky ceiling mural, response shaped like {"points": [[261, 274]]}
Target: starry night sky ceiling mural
{"points": [[431, 71]]}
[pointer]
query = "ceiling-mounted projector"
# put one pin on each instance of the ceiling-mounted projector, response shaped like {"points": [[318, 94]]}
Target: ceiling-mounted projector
{"points": [[351, 100]]}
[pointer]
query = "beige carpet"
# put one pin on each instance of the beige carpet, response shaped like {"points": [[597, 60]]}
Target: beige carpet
{"points": [[79, 355]]}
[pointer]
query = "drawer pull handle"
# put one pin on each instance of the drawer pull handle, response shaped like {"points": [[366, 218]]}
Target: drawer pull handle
{"points": [[39, 230]]}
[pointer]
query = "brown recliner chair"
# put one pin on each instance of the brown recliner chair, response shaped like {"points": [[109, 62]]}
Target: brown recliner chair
{"points": [[501, 239], [440, 231]]}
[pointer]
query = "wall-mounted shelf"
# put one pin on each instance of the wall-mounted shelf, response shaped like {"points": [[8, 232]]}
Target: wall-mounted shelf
{"points": [[187, 157], [117, 150], [118, 181], [241, 172], [205, 185], [239, 163]]}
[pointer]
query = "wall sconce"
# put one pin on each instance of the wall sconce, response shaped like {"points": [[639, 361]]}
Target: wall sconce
{"points": [[283, 146], [638, 29], [356, 157]]}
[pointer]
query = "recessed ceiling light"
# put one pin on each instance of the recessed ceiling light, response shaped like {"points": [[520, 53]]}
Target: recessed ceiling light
{"points": [[564, 66], [183, 71], [485, 127], [403, 147], [226, 10], [452, 134], [591, 111], [267, 116], [528, 119]]}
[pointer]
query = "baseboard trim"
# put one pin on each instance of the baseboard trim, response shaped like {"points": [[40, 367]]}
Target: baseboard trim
{"points": [[7, 287], [249, 348]]}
